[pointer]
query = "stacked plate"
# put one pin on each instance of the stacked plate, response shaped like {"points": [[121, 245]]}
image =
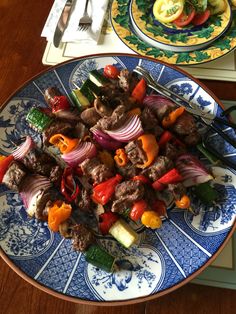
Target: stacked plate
{"points": [[136, 26]]}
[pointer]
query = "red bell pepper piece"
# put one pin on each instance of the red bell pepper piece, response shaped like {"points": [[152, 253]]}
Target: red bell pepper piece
{"points": [[159, 206], [59, 103], [103, 192], [140, 91], [138, 209], [165, 137], [172, 176], [4, 165], [106, 221], [69, 188], [141, 178]]}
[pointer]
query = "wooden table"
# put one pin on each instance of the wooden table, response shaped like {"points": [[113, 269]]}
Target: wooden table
{"points": [[21, 51]]}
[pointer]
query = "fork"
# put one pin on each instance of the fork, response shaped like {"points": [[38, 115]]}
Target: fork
{"points": [[85, 21], [179, 100], [210, 120]]}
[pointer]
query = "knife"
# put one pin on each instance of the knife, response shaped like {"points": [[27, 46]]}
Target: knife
{"points": [[62, 23]]}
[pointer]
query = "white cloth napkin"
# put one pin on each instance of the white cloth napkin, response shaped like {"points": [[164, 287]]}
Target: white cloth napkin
{"points": [[96, 9]]}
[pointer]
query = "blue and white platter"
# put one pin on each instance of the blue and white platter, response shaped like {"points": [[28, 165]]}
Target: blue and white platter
{"points": [[164, 259]]}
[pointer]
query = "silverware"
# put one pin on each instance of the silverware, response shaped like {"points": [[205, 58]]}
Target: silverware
{"points": [[85, 21], [192, 108], [209, 119], [62, 23]]}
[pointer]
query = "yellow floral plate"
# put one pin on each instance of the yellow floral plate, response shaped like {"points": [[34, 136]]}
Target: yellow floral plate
{"points": [[123, 27], [168, 36]]}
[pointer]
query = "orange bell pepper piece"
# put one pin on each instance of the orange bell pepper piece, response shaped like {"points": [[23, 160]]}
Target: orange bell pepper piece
{"points": [[150, 147], [172, 117], [5, 162], [121, 158], [59, 212], [64, 143]]}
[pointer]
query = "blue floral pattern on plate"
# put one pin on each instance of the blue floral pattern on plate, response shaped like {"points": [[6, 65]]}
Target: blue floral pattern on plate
{"points": [[164, 257]]}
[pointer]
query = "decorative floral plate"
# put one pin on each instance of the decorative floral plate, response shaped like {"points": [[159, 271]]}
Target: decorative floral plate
{"points": [[123, 26], [169, 36], [165, 258]]}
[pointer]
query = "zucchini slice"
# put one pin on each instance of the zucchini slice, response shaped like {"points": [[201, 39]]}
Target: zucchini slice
{"points": [[80, 100], [100, 258], [123, 233], [97, 78], [90, 90]]}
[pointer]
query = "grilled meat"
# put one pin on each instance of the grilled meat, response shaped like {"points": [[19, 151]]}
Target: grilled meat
{"points": [[150, 122], [95, 170], [126, 193], [161, 165], [14, 176], [177, 190], [127, 80], [42, 163], [172, 151], [82, 237], [114, 121], [135, 153], [185, 126]]}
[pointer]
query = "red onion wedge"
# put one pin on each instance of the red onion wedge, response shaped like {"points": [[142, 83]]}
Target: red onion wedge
{"points": [[192, 170], [129, 131], [80, 153], [105, 140], [157, 101], [31, 189], [20, 152]]}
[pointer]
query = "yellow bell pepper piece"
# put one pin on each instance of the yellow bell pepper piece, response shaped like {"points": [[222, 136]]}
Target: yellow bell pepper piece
{"points": [[151, 219]]}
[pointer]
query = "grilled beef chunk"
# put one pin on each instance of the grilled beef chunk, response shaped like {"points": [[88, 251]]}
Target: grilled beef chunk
{"points": [[128, 171], [172, 151], [178, 190], [192, 139], [149, 195], [65, 228], [90, 116], [114, 121], [102, 109], [57, 126], [150, 122], [68, 115], [135, 154], [95, 170], [82, 237], [14, 176], [80, 130], [164, 109], [48, 197], [185, 126], [127, 80], [50, 93], [161, 165], [126, 193], [111, 94], [42, 163], [56, 174], [84, 203]]}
